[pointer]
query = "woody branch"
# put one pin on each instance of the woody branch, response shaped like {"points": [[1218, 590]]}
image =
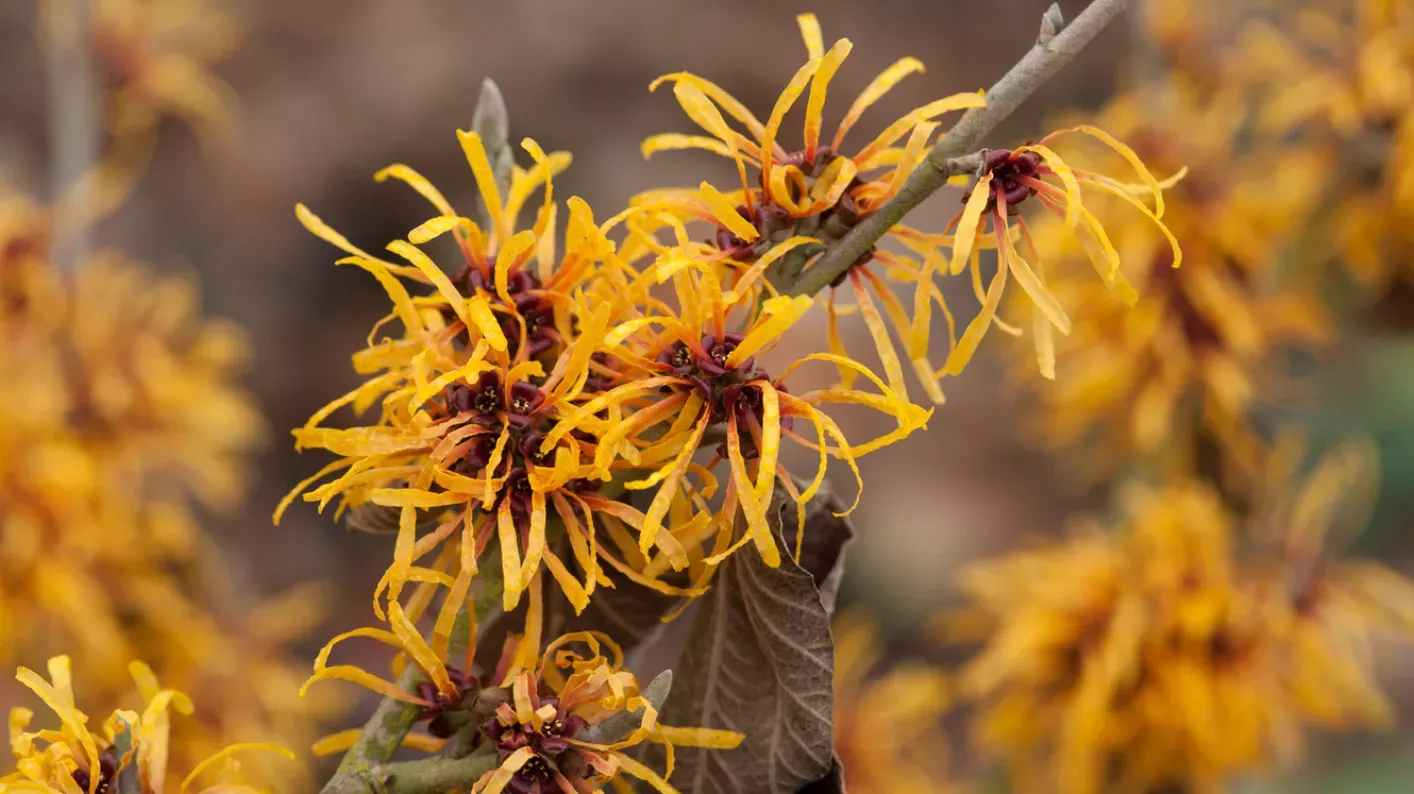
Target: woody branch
{"points": [[955, 153]]}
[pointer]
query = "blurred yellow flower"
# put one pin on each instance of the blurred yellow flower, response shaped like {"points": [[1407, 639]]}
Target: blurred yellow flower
{"points": [[77, 759], [24, 245], [1340, 81], [119, 415], [1329, 609], [119, 411], [1185, 364], [156, 56], [1168, 652], [888, 729]]}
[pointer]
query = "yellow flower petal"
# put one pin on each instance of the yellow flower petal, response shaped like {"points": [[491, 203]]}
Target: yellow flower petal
{"points": [[417, 182], [970, 224], [475, 152], [725, 212], [815, 105], [877, 88], [810, 33], [972, 337], [227, 752]]}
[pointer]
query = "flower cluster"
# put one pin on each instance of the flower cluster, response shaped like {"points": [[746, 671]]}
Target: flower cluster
{"points": [[551, 733], [522, 394], [119, 413], [820, 192], [888, 729], [1153, 378], [533, 393], [612, 404], [121, 422], [1177, 650], [560, 720], [128, 752], [1352, 104]]}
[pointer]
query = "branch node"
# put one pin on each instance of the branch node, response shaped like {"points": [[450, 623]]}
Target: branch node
{"points": [[973, 164], [1052, 22], [377, 778]]}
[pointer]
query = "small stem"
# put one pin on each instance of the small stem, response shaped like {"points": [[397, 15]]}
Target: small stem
{"points": [[364, 767], [429, 775], [128, 782], [73, 124], [360, 770], [1029, 74], [789, 268]]}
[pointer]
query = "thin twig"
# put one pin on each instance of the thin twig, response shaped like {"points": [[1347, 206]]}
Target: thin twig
{"points": [[73, 133], [946, 158], [362, 769], [435, 774], [365, 766]]}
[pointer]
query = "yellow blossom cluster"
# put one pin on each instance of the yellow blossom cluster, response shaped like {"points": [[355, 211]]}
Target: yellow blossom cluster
{"points": [[1195, 638], [543, 410], [532, 384], [533, 392], [1338, 78], [121, 425], [820, 192], [1180, 647], [129, 751]]}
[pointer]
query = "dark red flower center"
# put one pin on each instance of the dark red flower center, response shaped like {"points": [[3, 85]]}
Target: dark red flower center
{"points": [[107, 774], [437, 715], [728, 389], [528, 301], [775, 222], [553, 752], [1010, 172]]}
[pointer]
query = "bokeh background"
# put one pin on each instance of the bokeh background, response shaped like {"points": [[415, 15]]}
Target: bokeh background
{"points": [[331, 90]]}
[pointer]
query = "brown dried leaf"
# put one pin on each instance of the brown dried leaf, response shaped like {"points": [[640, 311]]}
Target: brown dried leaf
{"points": [[760, 661], [831, 783]]}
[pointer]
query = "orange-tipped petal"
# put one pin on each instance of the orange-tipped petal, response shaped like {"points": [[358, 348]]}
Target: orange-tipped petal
{"points": [[815, 105], [877, 88], [475, 152]]}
